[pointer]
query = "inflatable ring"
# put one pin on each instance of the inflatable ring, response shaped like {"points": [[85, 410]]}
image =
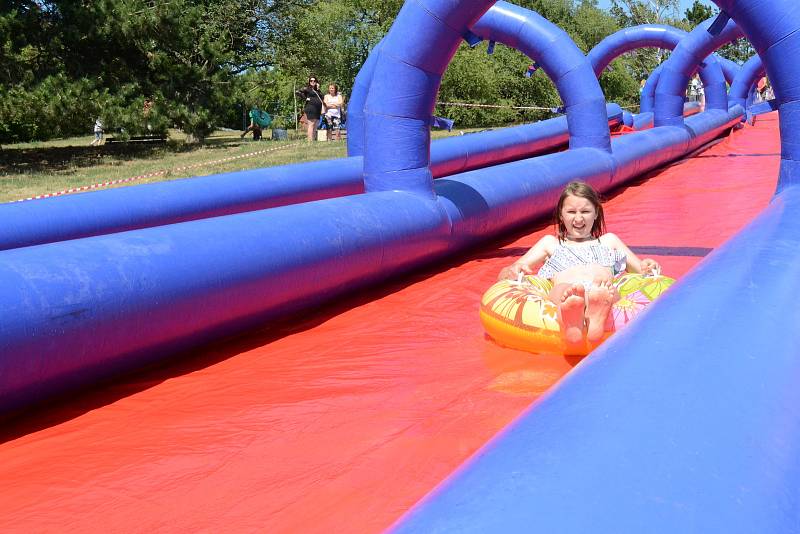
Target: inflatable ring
{"points": [[520, 315]]}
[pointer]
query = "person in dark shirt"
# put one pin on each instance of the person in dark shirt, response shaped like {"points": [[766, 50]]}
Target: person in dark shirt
{"points": [[312, 108]]}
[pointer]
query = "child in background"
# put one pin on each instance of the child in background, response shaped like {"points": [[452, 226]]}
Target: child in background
{"points": [[98, 132]]}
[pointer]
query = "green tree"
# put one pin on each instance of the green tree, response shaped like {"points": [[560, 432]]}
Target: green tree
{"points": [[739, 51], [331, 39], [698, 12], [589, 25], [106, 57], [204, 62], [634, 12], [494, 87]]}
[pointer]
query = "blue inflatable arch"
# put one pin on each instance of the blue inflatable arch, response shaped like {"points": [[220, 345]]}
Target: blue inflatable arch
{"points": [[543, 42], [679, 67], [403, 91], [505, 23], [656, 36], [729, 69], [648, 97], [666, 37], [561, 59]]}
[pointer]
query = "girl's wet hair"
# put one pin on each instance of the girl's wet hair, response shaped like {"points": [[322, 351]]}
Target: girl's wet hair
{"points": [[582, 190]]}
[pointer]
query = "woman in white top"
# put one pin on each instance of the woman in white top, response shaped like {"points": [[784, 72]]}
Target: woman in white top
{"points": [[334, 106]]}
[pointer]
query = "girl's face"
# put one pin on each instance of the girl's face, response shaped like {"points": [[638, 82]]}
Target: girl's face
{"points": [[332, 89], [578, 215]]}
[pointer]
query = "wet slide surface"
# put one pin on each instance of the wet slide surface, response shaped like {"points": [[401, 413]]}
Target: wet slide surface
{"points": [[344, 421]]}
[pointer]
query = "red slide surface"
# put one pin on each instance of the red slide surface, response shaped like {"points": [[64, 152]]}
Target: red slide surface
{"points": [[343, 421]]}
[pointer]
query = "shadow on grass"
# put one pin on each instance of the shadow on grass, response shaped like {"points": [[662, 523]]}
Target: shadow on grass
{"points": [[62, 159]]}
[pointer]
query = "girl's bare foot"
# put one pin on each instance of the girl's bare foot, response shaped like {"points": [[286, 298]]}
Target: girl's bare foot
{"points": [[570, 314], [599, 299]]}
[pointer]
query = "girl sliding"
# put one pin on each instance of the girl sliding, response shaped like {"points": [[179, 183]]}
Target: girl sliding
{"points": [[581, 261]]}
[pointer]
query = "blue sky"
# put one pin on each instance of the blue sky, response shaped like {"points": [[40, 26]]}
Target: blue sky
{"points": [[685, 4]]}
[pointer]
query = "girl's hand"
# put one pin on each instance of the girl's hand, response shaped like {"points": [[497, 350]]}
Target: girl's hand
{"points": [[650, 266], [513, 271]]}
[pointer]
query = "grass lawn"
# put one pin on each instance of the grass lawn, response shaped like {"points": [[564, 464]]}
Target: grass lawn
{"points": [[32, 169]]}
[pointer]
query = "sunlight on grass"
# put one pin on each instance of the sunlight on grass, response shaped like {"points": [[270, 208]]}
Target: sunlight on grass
{"points": [[33, 169]]}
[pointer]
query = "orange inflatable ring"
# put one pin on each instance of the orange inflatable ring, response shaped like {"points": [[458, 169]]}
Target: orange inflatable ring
{"points": [[520, 316]]}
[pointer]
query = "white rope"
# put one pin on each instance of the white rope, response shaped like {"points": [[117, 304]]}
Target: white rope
{"points": [[155, 173], [496, 106]]}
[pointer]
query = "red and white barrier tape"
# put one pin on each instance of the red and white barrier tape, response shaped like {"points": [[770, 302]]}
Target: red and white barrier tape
{"points": [[493, 106], [156, 173]]}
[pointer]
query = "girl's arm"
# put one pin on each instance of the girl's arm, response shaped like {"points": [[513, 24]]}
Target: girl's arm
{"points": [[537, 254], [635, 264]]}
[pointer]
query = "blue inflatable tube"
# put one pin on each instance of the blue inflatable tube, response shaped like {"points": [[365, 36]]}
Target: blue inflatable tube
{"points": [[116, 210], [660, 437], [111, 303], [730, 69], [357, 101], [750, 73], [643, 121], [647, 98], [638, 153], [461, 153]]}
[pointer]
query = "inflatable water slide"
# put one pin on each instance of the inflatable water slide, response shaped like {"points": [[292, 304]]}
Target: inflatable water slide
{"points": [[288, 350]]}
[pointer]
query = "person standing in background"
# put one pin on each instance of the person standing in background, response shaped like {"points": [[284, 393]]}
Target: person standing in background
{"points": [[98, 132], [334, 105], [312, 108], [697, 87], [694, 85]]}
